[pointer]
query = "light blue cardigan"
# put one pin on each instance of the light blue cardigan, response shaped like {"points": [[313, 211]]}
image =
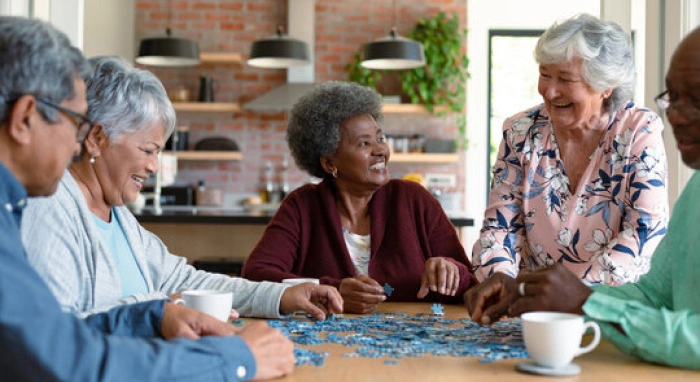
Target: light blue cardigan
{"points": [[64, 245]]}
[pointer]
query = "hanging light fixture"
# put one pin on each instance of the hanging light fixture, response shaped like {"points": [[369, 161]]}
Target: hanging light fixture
{"points": [[168, 50], [393, 52], [279, 51]]}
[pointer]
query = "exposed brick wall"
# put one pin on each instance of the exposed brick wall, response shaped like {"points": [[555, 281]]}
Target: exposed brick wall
{"points": [[231, 26]]}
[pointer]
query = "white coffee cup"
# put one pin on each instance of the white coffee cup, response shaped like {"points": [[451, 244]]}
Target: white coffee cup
{"points": [[300, 281], [212, 302], [554, 339]]}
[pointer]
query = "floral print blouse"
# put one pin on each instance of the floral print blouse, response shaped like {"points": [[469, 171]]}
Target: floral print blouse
{"points": [[606, 230]]}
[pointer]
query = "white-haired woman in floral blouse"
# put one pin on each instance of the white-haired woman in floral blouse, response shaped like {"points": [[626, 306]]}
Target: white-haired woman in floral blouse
{"points": [[580, 179]]}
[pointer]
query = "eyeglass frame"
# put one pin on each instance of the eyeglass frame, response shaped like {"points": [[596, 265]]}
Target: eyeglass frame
{"points": [[83, 121], [84, 124], [664, 103]]}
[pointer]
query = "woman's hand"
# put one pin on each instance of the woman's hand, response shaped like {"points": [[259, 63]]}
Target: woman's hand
{"points": [[317, 300], [490, 300], [441, 276], [361, 294]]}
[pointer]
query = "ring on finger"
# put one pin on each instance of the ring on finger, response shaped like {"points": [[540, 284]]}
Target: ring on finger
{"points": [[521, 289]]}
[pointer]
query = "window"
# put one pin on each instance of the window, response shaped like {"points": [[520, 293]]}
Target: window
{"points": [[512, 86]]}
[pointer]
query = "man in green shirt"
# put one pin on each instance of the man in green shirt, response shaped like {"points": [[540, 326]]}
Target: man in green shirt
{"points": [[658, 318]]}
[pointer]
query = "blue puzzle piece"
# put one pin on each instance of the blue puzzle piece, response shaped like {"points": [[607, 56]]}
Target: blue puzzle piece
{"points": [[437, 309], [388, 290]]}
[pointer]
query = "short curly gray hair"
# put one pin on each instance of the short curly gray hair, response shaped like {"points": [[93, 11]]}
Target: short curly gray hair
{"points": [[313, 131], [604, 47]]}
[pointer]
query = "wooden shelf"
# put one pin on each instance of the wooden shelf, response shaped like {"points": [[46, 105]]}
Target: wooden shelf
{"points": [[220, 58], [208, 155], [407, 108], [211, 107], [219, 107], [429, 158]]}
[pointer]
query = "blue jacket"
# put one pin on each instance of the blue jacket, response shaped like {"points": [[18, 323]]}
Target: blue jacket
{"points": [[39, 342]]}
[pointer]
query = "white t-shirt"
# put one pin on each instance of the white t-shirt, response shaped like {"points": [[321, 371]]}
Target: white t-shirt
{"points": [[359, 248]]}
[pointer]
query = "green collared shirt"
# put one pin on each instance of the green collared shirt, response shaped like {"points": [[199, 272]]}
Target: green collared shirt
{"points": [[660, 315]]}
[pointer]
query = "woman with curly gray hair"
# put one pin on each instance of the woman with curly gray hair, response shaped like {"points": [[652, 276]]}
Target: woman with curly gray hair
{"points": [[579, 180], [358, 229]]}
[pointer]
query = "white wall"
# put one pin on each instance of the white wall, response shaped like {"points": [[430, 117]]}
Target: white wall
{"points": [[666, 24], [14, 7], [98, 27], [67, 15], [110, 28]]}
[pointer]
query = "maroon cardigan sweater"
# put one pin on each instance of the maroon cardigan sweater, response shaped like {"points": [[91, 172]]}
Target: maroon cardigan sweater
{"points": [[408, 225]]}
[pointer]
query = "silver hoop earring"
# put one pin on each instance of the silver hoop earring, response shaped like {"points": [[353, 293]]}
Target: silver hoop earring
{"points": [[335, 173], [92, 159]]}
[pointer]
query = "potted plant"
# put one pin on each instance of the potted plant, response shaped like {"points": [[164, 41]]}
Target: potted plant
{"points": [[441, 82]]}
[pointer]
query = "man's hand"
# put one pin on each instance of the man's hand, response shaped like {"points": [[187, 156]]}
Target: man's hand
{"points": [[181, 321], [361, 294], [553, 288], [441, 276], [273, 352], [317, 300], [490, 300]]}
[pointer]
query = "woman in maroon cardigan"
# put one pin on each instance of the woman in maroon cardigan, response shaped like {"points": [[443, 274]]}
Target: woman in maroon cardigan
{"points": [[358, 229]]}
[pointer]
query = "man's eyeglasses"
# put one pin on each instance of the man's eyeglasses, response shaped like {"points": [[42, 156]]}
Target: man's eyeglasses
{"points": [[689, 110], [83, 123]]}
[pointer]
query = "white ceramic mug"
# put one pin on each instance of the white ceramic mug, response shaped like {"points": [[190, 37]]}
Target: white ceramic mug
{"points": [[300, 281], [554, 339], [212, 302]]}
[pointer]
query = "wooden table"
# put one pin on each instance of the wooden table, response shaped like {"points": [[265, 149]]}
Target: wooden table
{"points": [[604, 364]]}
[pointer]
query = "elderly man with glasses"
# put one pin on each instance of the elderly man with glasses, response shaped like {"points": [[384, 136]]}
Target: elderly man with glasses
{"points": [[658, 318], [39, 342]]}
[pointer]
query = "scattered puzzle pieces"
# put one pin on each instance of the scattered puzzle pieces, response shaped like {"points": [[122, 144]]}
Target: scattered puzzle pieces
{"points": [[394, 336], [388, 290], [309, 357]]}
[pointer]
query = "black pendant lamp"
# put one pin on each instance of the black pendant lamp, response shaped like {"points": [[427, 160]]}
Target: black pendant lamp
{"points": [[168, 50], [393, 52], [278, 52]]}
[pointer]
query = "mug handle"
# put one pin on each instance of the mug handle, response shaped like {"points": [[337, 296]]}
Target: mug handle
{"points": [[596, 337]]}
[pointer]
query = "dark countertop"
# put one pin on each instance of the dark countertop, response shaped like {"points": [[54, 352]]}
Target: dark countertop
{"points": [[208, 215]]}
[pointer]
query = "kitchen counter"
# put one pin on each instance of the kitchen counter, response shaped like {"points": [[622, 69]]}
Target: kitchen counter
{"points": [[200, 233], [214, 215]]}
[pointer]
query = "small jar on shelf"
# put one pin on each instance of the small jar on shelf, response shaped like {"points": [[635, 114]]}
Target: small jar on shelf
{"points": [[283, 188], [268, 193], [401, 143], [179, 140], [415, 143]]}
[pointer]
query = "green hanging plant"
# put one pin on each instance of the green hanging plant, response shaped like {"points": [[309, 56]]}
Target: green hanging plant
{"points": [[361, 75], [440, 84]]}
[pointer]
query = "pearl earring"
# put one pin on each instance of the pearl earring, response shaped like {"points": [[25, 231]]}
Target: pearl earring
{"points": [[335, 173], [92, 159]]}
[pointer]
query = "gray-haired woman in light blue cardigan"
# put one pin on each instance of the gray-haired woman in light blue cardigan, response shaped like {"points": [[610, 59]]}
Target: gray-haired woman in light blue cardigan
{"points": [[92, 251]]}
